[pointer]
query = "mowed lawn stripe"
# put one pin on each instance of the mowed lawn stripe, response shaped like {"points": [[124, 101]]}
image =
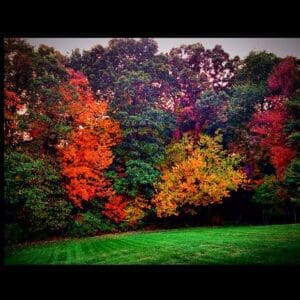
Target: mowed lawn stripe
{"points": [[274, 244]]}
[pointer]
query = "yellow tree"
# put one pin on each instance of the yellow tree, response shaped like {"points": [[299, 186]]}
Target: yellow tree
{"points": [[196, 174]]}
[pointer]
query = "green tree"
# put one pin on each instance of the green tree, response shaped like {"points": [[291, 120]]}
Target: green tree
{"points": [[292, 182], [268, 196], [243, 101], [103, 66], [141, 150], [256, 67], [33, 197]]}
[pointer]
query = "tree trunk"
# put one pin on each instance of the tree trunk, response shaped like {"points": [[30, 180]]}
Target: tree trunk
{"points": [[295, 215], [263, 216]]}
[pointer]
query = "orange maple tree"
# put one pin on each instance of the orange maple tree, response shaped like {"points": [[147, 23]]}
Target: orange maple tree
{"points": [[87, 153], [115, 208], [121, 208]]}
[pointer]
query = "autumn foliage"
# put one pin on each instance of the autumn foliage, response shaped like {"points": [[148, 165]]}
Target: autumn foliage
{"points": [[282, 79], [87, 152], [12, 104], [200, 175], [122, 136], [269, 126], [136, 211], [115, 208]]}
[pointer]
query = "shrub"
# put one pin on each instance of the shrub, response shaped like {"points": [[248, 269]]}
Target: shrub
{"points": [[12, 233], [89, 224], [269, 196]]}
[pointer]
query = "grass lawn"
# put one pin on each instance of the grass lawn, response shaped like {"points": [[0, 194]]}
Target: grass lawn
{"points": [[274, 244]]}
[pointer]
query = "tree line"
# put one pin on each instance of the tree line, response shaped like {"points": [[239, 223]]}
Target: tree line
{"points": [[123, 137]]}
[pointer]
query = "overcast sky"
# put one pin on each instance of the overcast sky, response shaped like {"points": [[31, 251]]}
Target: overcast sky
{"points": [[234, 46]]}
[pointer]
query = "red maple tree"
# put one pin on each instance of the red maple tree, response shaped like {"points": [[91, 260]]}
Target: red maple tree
{"points": [[269, 126], [282, 79]]}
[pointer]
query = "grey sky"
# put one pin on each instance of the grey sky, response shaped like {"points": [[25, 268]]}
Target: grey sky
{"points": [[234, 46]]}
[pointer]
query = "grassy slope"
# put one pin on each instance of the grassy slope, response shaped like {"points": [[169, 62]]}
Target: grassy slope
{"points": [[276, 244]]}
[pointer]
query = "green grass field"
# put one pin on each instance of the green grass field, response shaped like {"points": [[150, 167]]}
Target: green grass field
{"points": [[275, 244]]}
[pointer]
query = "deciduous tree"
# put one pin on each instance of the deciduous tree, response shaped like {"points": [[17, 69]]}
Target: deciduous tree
{"points": [[206, 176], [87, 154]]}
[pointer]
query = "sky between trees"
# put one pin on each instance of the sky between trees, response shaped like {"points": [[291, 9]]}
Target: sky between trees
{"points": [[234, 46]]}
